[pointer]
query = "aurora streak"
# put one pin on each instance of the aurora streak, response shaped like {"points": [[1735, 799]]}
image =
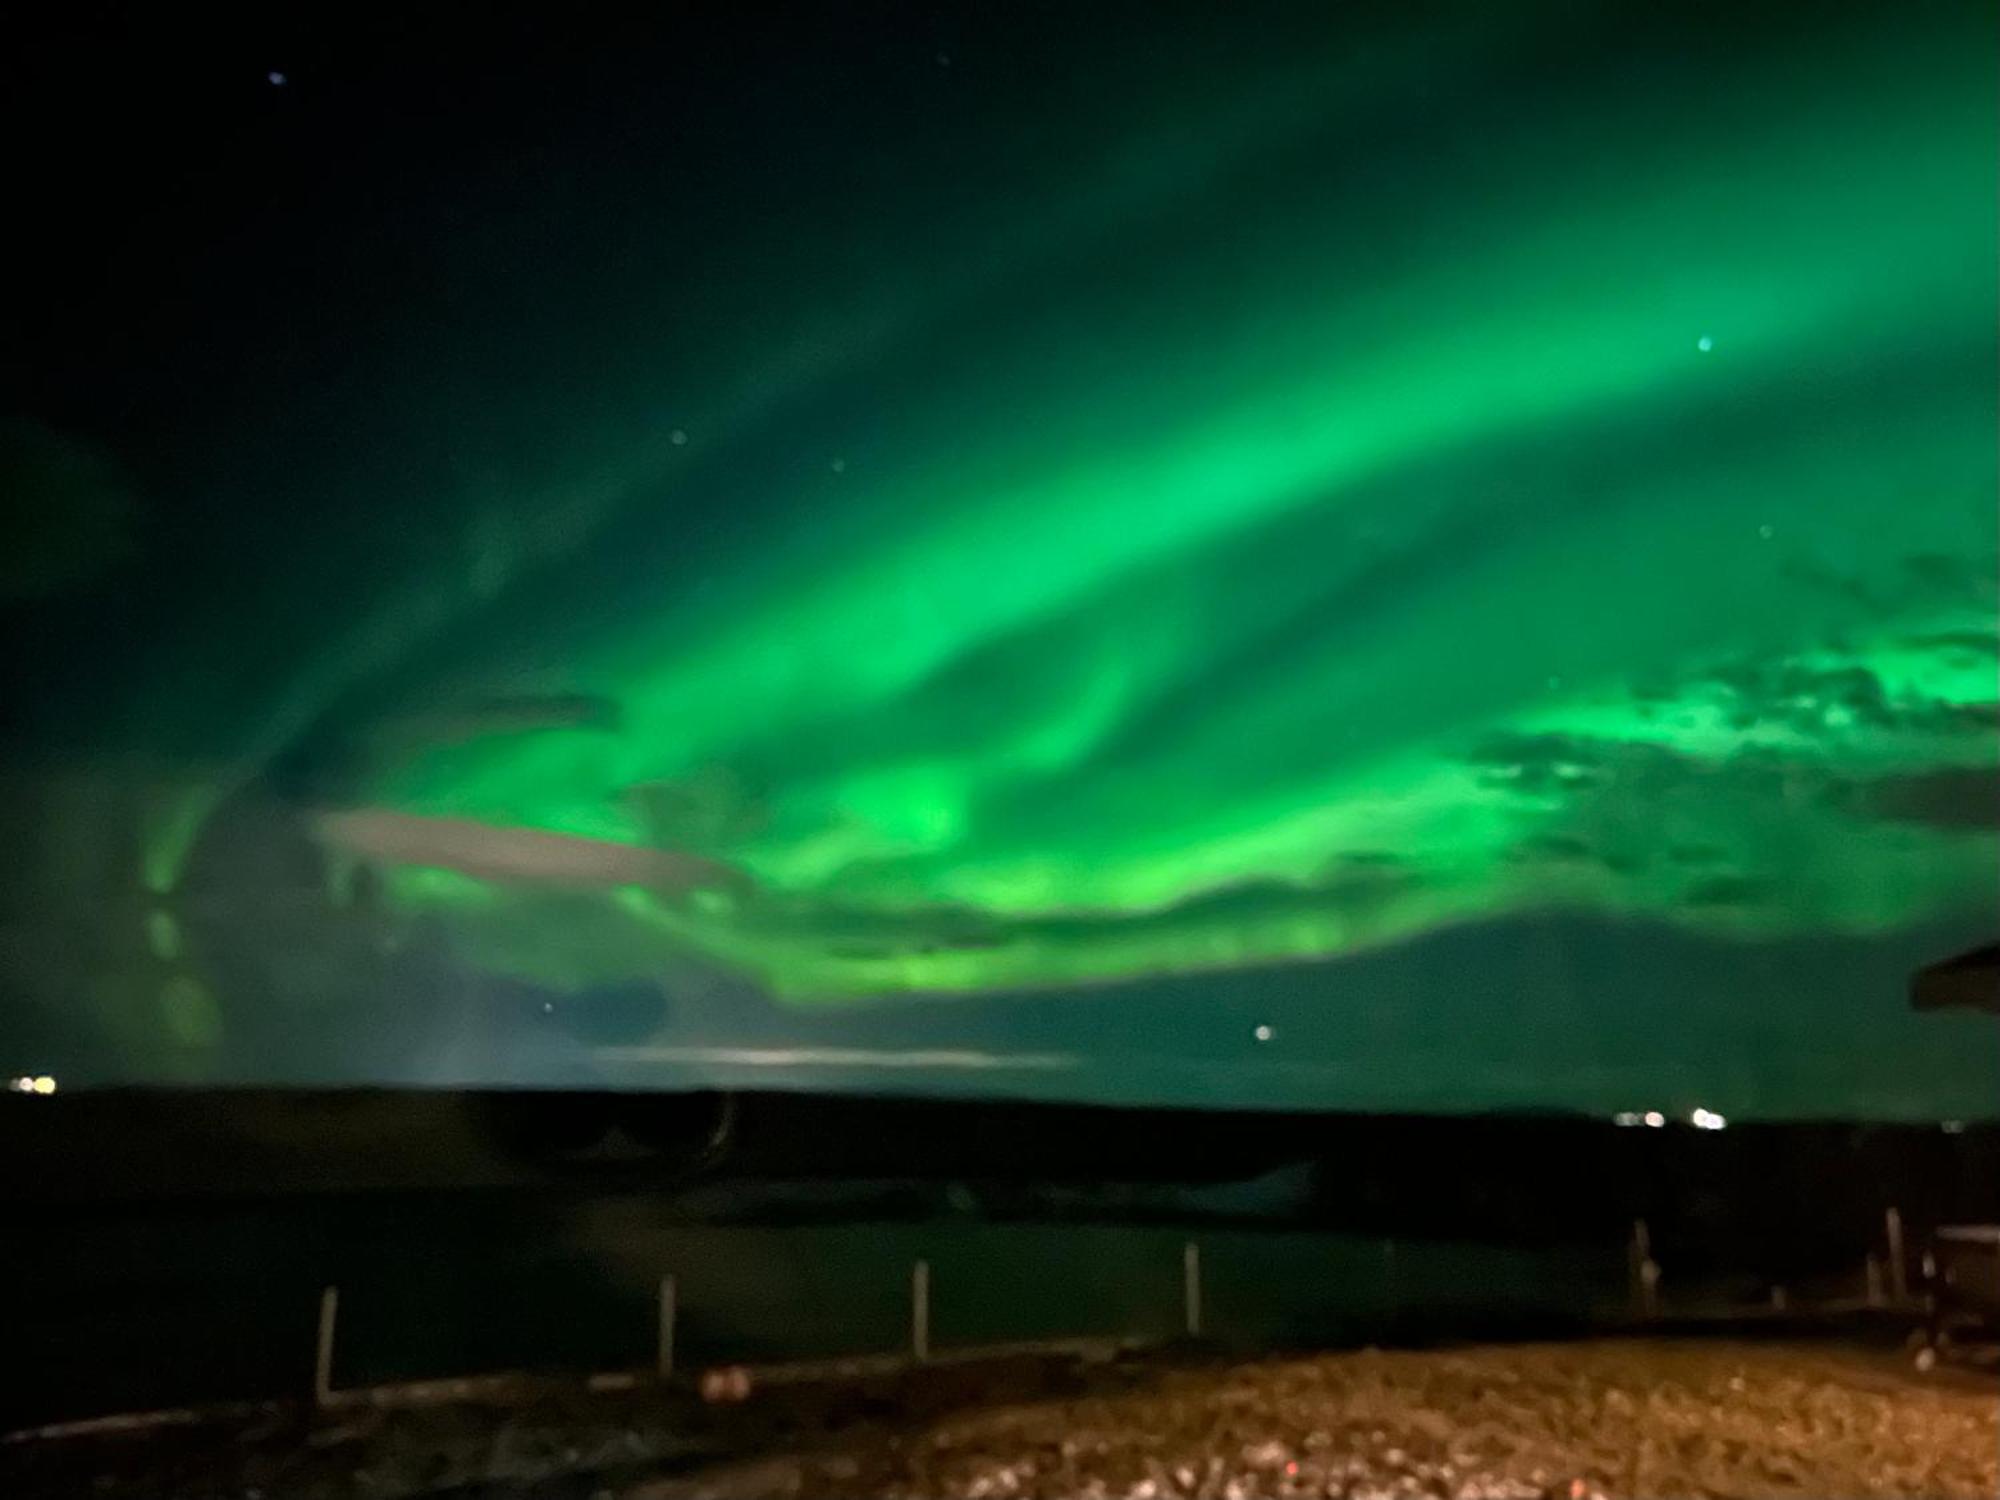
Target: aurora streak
{"points": [[1308, 505]]}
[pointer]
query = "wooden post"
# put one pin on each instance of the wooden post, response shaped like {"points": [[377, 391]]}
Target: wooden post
{"points": [[1645, 1271], [920, 1311], [329, 1311], [1899, 1275], [1780, 1299], [668, 1309], [1191, 1288], [1871, 1278]]}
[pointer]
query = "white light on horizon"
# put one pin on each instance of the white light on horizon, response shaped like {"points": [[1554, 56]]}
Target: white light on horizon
{"points": [[1706, 1119], [1655, 1119], [840, 1057], [32, 1083]]}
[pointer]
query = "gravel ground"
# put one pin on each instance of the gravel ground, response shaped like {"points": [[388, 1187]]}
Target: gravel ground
{"points": [[1611, 1418], [1517, 1423]]}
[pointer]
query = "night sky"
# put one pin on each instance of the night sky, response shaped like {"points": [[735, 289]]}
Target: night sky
{"points": [[1360, 556]]}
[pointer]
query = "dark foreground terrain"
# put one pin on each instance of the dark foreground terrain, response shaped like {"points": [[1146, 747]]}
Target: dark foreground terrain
{"points": [[1666, 1417]]}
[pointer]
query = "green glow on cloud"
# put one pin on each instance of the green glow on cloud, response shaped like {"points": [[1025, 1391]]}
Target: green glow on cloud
{"points": [[1183, 654], [1332, 501]]}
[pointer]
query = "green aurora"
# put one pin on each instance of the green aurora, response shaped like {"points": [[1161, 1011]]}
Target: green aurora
{"points": [[1351, 492]]}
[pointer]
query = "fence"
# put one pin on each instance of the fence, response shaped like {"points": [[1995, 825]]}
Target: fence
{"points": [[413, 1303]]}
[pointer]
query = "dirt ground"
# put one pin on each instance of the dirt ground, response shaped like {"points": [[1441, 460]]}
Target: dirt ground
{"points": [[1610, 1418]]}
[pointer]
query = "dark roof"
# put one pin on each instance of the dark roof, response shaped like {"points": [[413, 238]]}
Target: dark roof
{"points": [[1971, 978]]}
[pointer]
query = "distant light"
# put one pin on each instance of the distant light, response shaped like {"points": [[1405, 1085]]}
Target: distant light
{"points": [[1767, 531], [34, 1083], [1627, 1117], [276, 79], [678, 437], [1655, 1119], [1953, 1127], [548, 1007], [839, 466], [1263, 1033], [1706, 1119], [1704, 343]]}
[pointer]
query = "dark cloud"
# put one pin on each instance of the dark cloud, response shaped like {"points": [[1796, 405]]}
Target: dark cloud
{"points": [[864, 933], [1941, 716], [1800, 696], [1728, 890], [1372, 859], [1568, 849], [1571, 765], [1557, 847], [1919, 578], [1956, 642], [1543, 764], [1965, 798], [1812, 700], [1356, 891], [1357, 886], [1941, 570]]}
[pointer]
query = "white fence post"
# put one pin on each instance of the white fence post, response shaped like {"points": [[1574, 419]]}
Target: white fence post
{"points": [[920, 1310], [1191, 1288], [329, 1311]]}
